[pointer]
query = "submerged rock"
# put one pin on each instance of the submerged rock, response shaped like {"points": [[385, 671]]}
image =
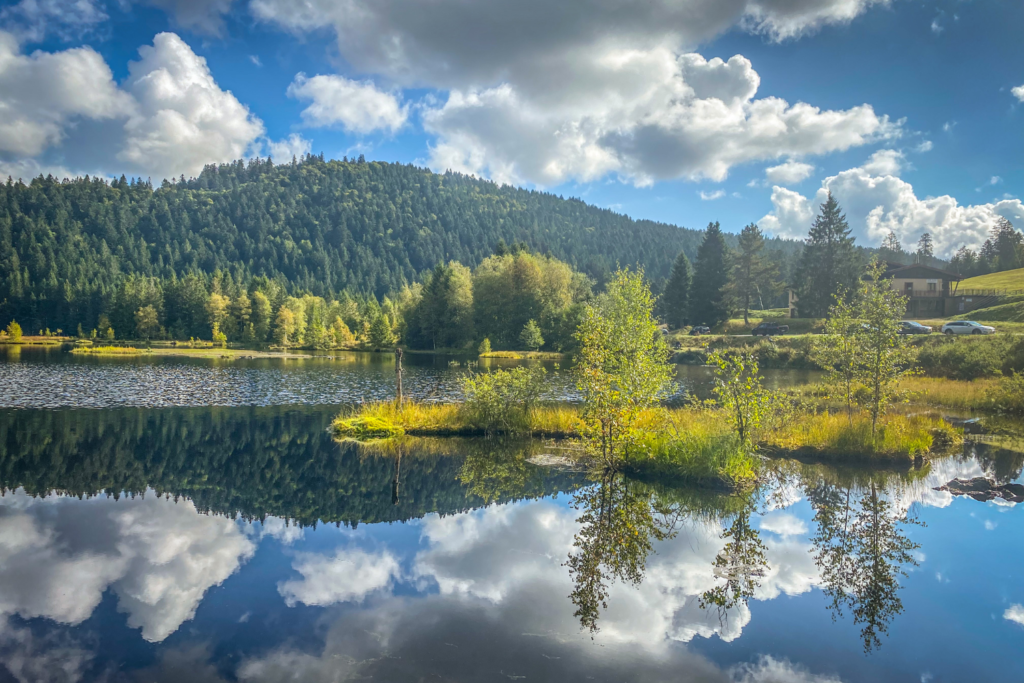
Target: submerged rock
{"points": [[984, 489]]}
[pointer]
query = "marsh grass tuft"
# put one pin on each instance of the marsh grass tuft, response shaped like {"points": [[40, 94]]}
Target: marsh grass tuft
{"points": [[106, 351], [453, 419], [835, 436], [366, 427]]}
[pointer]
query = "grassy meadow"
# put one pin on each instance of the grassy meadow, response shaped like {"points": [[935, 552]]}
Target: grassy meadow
{"points": [[1007, 280]]}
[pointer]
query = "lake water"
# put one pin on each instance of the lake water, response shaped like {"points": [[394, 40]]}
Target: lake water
{"points": [[48, 377], [241, 543]]}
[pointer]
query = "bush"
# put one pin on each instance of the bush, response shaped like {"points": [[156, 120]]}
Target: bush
{"points": [[963, 358], [14, 332], [501, 401], [1010, 395]]}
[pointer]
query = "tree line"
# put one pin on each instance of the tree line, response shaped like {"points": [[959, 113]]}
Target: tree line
{"points": [[73, 250], [724, 281]]}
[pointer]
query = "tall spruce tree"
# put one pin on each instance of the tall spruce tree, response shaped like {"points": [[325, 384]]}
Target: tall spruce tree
{"points": [[829, 264], [925, 250], [1008, 245], [709, 304], [675, 301], [752, 272]]}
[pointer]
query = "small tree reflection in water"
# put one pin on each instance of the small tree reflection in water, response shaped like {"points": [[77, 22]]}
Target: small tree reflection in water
{"points": [[859, 548], [861, 551], [741, 563], [621, 520]]}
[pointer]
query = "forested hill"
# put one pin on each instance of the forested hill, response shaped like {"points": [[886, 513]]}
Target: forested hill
{"points": [[317, 226]]}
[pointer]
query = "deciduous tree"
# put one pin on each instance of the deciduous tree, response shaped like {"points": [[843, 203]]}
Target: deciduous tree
{"points": [[622, 366]]}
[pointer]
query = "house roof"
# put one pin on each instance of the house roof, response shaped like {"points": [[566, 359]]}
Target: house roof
{"points": [[919, 271]]}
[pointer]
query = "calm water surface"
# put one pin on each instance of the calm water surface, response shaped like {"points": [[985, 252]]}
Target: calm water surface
{"points": [[243, 544]]}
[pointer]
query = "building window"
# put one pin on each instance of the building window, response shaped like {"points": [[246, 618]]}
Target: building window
{"points": [[932, 286], [908, 287]]}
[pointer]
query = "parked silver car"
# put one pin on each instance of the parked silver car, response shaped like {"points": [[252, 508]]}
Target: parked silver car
{"points": [[966, 327]]}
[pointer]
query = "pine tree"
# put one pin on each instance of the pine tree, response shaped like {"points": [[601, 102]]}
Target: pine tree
{"points": [[752, 271], [531, 337], [1007, 242], [925, 250], [891, 249], [675, 301], [709, 303], [829, 264]]}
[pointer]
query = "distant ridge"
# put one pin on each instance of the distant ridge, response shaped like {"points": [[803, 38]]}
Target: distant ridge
{"points": [[319, 226]]}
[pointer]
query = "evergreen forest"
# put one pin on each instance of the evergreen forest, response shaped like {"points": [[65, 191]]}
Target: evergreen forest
{"points": [[91, 254]]}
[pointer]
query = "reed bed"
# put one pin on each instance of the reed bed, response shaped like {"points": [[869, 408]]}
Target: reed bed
{"points": [[106, 351], [834, 436], [524, 355], [969, 395], [452, 419]]}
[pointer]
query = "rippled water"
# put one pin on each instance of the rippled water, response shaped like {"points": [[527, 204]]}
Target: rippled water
{"points": [[51, 378]]}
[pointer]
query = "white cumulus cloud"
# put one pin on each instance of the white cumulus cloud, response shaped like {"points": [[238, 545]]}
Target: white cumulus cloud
{"points": [[1015, 613], [885, 162], [711, 196], [767, 669], [357, 106], [283, 150], [877, 204], [546, 93], [63, 110], [645, 115], [789, 173], [182, 118], [451, 43], [43, 93], [1018, 92]]}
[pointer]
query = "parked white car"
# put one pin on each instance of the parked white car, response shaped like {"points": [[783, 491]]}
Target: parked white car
{"points": [[966, 327]]}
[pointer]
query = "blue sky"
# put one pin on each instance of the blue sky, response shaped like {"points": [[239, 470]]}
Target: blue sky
{"points": [[905, 110]]}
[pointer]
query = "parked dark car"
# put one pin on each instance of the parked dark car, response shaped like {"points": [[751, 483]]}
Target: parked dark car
{"points": [[768, 329], [911, 327], [698, 330]]}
